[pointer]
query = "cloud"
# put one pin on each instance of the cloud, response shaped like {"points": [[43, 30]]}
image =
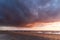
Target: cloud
{"points": [[27, 11]]}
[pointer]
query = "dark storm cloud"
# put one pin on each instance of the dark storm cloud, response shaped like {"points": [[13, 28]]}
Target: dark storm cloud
{"points": [[25, 11], [43, 10]]}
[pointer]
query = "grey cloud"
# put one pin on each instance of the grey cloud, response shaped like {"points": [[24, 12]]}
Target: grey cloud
{"points": [[26, 11]]}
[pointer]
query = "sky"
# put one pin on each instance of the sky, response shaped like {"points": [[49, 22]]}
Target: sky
{"points": [[17, 12]]}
